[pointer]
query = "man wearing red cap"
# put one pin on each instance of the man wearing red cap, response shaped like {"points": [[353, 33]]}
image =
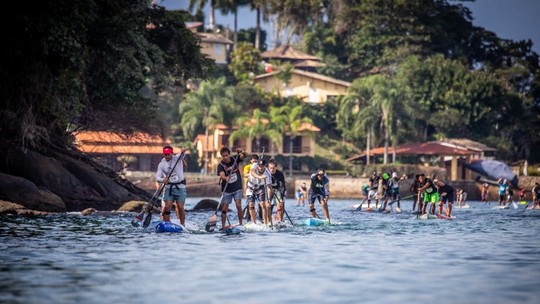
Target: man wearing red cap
{"points": [[170, 172]]}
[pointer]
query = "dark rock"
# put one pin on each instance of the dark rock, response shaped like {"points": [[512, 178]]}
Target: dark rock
{"points": [[22, 191], [62, 183], [206, 204]]}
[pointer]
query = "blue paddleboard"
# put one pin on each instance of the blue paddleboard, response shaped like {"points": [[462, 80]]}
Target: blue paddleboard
{"points": [[168, 227]]}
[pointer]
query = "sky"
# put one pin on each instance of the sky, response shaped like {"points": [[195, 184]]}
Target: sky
{"points": [[508, 19]]}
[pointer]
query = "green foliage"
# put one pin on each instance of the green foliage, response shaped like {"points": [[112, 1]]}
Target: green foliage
{"points": [[211, 104], [85, 64], [245, 62], [248, 35]]}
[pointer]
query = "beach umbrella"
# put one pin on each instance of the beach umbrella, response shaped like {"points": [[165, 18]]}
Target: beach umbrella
{"points": [[494, 169]]}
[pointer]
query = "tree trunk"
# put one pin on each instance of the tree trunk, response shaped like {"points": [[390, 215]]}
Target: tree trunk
{"points": [[258, 29], [290, 155]]}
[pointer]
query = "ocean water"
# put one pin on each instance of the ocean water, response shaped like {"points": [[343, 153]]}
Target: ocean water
{"points": [[485, 255]]}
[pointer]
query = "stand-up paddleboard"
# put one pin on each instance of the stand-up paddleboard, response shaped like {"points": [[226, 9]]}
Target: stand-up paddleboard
{"points": [[502, 207], [233, 229], [315, 222], [169, 227], [427, 217], [462, 207], [256, 227], [444, 217]]}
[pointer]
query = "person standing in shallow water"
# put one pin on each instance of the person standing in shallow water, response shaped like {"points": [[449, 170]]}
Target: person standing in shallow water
{"points": [[301, 195], [231, 183], [485, 192], [174, 190], [319, 190]]}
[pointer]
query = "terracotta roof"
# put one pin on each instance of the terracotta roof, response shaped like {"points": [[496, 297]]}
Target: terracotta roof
{"points": [[193, 25], [308, 127], [100, 142], [287, 52], [426, 148], [310, 75], [469, 144]]}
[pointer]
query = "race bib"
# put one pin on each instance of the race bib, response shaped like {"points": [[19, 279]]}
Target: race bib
{"points": [[233, 178], [429, 190], [173, 178]]}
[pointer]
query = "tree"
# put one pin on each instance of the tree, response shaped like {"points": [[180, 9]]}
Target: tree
{"points": [[256, 126], [205, 108], [77, 64], [200, 7], [290, 120], [245, 62]]}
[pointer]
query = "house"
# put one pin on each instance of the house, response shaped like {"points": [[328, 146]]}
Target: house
{"points": [[214, 45], [309, 86], [208, 146], [298, 59], [305, 82], [135, 152], [453, 154]]}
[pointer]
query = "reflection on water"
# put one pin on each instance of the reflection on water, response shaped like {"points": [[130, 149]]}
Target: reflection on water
{"points": [[483, 256]]}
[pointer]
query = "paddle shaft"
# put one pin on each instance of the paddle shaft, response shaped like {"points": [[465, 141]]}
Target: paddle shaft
{"points": [[283, 206]]}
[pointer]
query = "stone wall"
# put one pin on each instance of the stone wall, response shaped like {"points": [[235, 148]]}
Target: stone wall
{"points": [[342, 187]]}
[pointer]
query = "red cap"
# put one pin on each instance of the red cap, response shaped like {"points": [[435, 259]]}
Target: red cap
{"points": [[167, 150]]}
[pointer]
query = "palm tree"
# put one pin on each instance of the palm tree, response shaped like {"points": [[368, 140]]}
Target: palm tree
{"points": [[200, 8], [256, 126], [262, 8], [231, 6], [289, 119], [205, 108]]}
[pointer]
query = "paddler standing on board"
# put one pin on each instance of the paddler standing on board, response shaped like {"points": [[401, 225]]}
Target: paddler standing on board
{"points": [[536, 196], [503, 189], [446, 194], [260, 184], [373, 191], [431, 196], [319, 190], [417, 198], [230, 180], [175, 184]]}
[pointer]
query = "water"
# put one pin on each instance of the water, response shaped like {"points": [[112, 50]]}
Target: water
{"points": [[483, 256]]}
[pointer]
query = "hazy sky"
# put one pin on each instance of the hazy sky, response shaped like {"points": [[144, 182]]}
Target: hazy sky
{"points": [[509, 19]]}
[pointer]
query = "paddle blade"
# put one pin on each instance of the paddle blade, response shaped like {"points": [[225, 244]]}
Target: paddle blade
{"points": [[136, 222], [147, 220], [211, 225]]}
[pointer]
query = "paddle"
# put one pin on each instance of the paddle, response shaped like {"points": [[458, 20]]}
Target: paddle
{"points": [[212, 221], [139, 217], [359, 208], [148, 210], [279, 198]]}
